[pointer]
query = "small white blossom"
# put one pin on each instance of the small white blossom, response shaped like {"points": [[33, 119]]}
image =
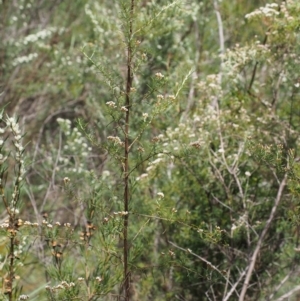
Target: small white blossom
{"points": [[99, 279], [149, 168], [142, 176], [247, 174], [116, 139], [111, 104], [105, 173], [145, 116], [160, 195], [172, 97], [66, 180], [14, 210], [156, 161], [159, 75]]}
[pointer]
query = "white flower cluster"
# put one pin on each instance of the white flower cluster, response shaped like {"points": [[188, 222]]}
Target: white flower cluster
{"points": [[11, 122], [111, 104], [242, 221], [205, 127], [103, 20], [13, 126], [145, 116], [160, 195], [159, 75], [116, 140], [24, 59], [270, 10], [40, 35], [90, 12], [27, 223], [182, 135], [211, 87], [234, 60], [76, 146], [61, 286], [21, 247], [4, 225], [121, 213], [99, 279], [285, 11], [161, 159], [142, 177]]}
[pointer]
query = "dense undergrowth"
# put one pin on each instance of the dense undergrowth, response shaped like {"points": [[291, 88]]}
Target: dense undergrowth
{"points": [[149, 150]]}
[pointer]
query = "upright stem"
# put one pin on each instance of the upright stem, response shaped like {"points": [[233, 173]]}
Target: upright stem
{"points": [[11, 263], [126, 156], [255, 254]]}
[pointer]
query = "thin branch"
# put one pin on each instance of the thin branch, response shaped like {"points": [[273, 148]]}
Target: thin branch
{"points": [[255, 69], [215, 103], [235, 285], [261, 239], [290, 293], [280, 285], [220, 27], [204, 260]]}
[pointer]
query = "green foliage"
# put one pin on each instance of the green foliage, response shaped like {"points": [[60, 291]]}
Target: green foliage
{"points": [[161, 150]]}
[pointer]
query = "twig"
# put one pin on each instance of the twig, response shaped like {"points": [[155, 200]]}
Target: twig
{"points": [[280, 285], [215, 103], [220, 27], [261, 239], [204, 260], [285, 296], [235, 285], [255, 69]]}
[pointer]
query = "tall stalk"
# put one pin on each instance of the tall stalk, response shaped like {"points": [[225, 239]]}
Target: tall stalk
{"points": [[126, 156]]}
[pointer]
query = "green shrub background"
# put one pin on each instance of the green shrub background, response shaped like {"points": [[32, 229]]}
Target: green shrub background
{"points": [[213, 145]]}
